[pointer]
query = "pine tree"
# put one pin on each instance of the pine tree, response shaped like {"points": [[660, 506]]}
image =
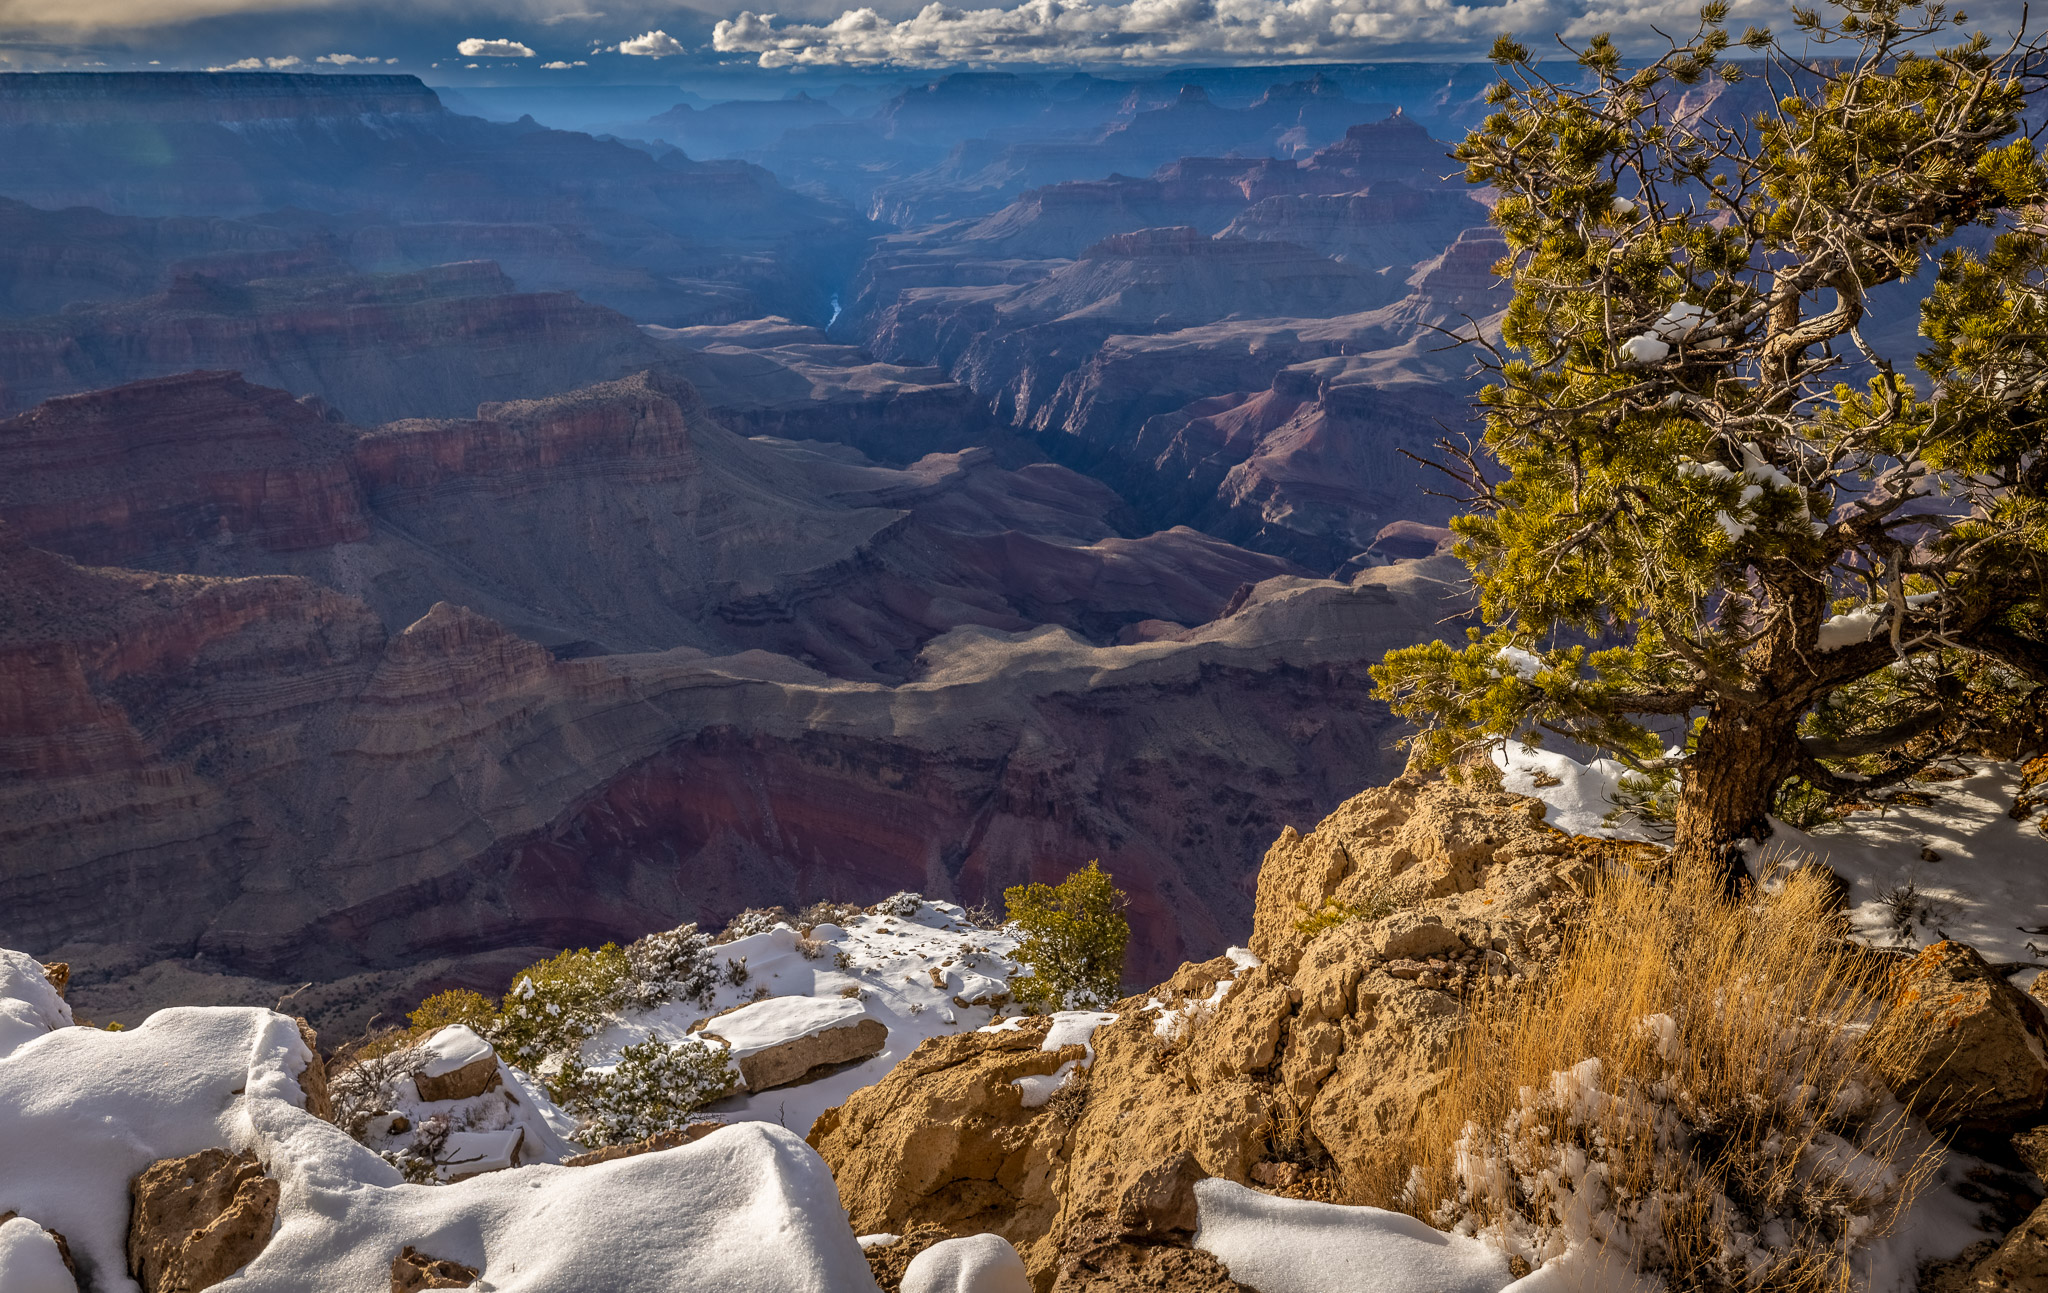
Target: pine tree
{"points": [[1074, 936], [1714, 531]]}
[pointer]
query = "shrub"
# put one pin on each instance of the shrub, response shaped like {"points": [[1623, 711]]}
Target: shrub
{"points": [[1694, 1083], [455, 1006], [556, 1004], [902, 904], [673, 965], [654, 1088], [1074, 934], [754, 920]]}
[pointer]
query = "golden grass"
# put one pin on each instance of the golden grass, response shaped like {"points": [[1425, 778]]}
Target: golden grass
{"points": [[1729, 1133]]}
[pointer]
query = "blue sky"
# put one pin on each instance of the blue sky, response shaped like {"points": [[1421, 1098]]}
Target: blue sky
{"points": [[540, 42]]}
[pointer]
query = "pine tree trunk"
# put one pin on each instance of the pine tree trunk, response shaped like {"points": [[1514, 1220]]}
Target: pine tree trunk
{"points": [[1740, 758]]}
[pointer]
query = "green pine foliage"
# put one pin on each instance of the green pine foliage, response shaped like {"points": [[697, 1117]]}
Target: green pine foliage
{"points": [[1693, 457], [654, 1088], [555, 1005], [1074, 934]]}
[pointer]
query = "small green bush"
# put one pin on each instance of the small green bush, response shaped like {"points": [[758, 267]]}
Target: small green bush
{"points": [[1074, 937], [455, 1006], [556, 1004], [654, 1088]]}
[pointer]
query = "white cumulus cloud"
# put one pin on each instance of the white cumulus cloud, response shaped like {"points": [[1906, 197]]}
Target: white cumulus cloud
{"points": [[559, 66], [259, 64], [476, 47], [344, 60], [1180, 31], [655, 44]]}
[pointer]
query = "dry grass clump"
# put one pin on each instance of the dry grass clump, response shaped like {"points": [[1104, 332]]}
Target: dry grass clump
{"points": [[1692, 1087]]}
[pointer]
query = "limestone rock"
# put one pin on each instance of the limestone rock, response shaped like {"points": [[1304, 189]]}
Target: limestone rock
{"points": [[2020, 1262], [1978, 1046], [1100, 1261], [945, 1139], [198, 1220], [2032, 1148], [412, 1271], [1292, 1072], [313, 1081], [887, 1262], [59, 975], [778, 1041], [460, 1065]]}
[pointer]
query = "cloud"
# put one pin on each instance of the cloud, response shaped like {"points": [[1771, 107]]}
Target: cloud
{"points": [[476, 47], [258, 64], [581, 15], [344, 60], [655, 44], [559, 66], [1185, 31]]}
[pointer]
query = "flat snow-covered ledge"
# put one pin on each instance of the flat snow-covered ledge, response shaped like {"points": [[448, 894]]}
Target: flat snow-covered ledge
{"points": [[753, 1029]]}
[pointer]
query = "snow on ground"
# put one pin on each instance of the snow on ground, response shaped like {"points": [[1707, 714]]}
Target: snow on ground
{"points": [[1986, 885], [910, 972], [1279, 1245], [1069, 1028], [747, 1209]]}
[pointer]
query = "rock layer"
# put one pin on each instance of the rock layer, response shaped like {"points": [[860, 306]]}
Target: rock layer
{"points": [[1291, 1073]]}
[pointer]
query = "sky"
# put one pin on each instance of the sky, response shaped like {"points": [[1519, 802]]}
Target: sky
{"points": [[570, 42]]}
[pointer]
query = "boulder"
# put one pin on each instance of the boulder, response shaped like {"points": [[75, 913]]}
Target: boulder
{"points": [[1100, 1261], [781, 1040], [59, 975], [34, 1260], [977, 1264], [1974, 1048], [198, 1220], [2031, 1146], [460, 1065], [1295, 1070], [412, 1271], [2020, 1262]]}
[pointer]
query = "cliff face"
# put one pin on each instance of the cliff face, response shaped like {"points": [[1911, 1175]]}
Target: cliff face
{"points": [[433, 342], [167, 470], [254, 770]]}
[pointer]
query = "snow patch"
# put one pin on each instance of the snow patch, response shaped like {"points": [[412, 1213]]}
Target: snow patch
{"points": [[1281, 1245], [455, 1047], [976, 1264]]}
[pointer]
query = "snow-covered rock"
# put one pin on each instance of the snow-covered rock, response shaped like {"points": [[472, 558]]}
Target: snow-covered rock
{"points": [[459, 1065], [779, 1040], [975, 1264], [30, 1261], [1279, 1245], [29, 1006]]}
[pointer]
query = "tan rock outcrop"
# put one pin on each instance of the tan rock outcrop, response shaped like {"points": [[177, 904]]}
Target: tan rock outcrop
{"points": [[412, 1271], [945, 1139], [1291, 1074], [1976, 1047], [313, 1081], [198, 1220], [59, 975], [789, 1062], [2020, 1262], [472, 1079]]}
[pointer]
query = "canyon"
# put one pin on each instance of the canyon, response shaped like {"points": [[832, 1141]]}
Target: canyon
{"points": [[429, 542]]}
